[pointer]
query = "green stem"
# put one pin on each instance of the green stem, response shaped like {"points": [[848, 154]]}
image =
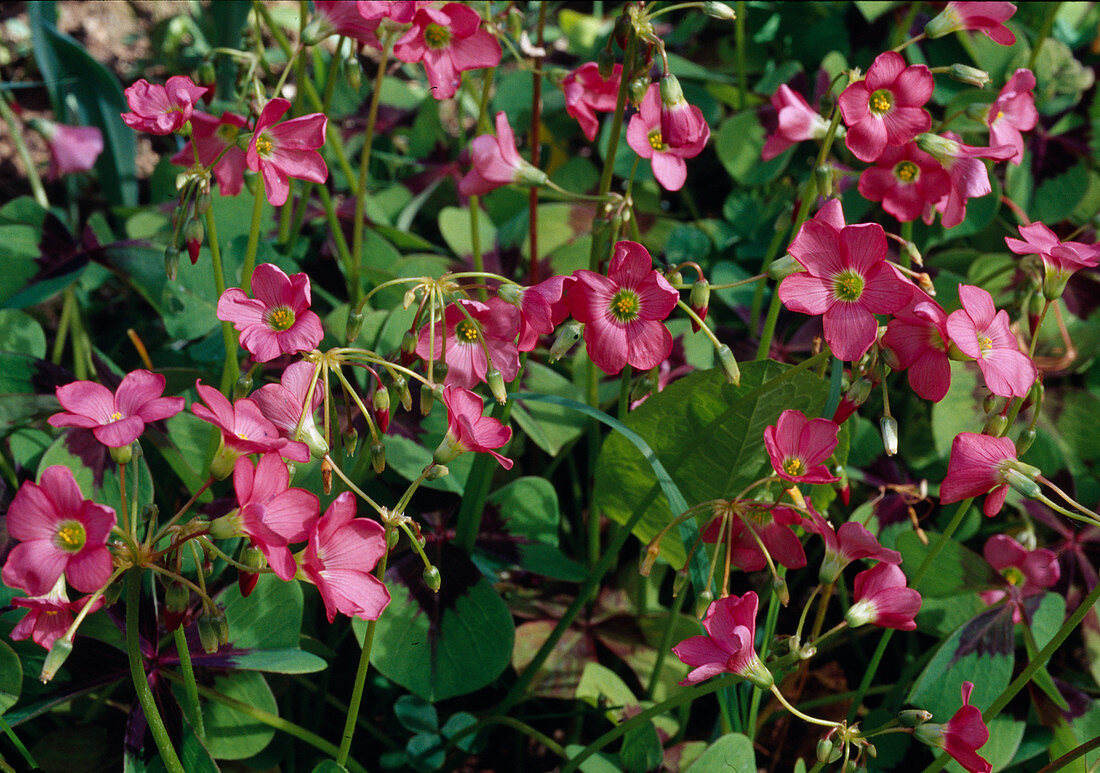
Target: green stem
{"points": [[141, 681], [253, 240], [477, 489], [334, 226], [230, 369], [355, 292], [191, 707], [666, 641], [613, 139], [16, 134], [769, 632], [1044, 33], [742, 70], [17, 743], [1071, 755]]}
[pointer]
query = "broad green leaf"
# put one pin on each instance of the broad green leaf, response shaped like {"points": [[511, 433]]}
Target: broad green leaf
{"points": [[21, 333], [278, 661], [456, 724], [601, 687], [21, 377], [708, 434], [732, 753], [11, 677], [97, 475], [738, 142], [641, 749], [960, 410], [550, 427], [872, 9], [454, 224], [328, 766], [416, 714], [270, 618], [956, 570], [231, 735], [597, 763], [529, 508], [1005, 734], [425, 752], [1057, 197]]}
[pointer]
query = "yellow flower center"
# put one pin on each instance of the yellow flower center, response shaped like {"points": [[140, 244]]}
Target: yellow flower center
{"points": [[242, 436], [907, 171], [794, 466], [624, 305], [985, 344], [848, 286], [70, 536], [264, 145], [761, 515], [466, 332], [437, 36], [280, 319], [880, 102], [656, 141], [116, 416], [1013, 576]]}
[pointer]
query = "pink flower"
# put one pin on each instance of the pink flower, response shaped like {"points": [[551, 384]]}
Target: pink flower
{"points": [[730, 624], [339, 17], [643, 135], [907, 181], [1060, 259], [162, 109], [882, 599], [272, 514], [60, 532], [496, 162], [797, 446], [979, 464], [987, 16], [982, 332], [885, 108], [400, 11], [48, 617], [468, 430], [72, 148], [622, 311], [847, 280], [448, 40], [682, 124], [341, 553], [770, 525], [244, 430], [965, 732], [542, 307], [216, 140], [917, 335], [489, 326], [116, 419], [850, 542], [286, 150], [284, 405], [1012, 112], [968, 175], [278, 320], [586, 92], [798, 122], [1026, 572]]}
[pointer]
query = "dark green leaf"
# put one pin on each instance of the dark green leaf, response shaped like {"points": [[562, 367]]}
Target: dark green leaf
{"points": [[416, 714], [732, 753]]}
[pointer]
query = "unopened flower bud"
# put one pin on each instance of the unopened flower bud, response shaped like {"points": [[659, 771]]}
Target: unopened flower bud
{"points": [[825, 750], [644, 386], [203, 202], [380, 401], [436, 472], [823, 177], [1022, 483], [171, 262], [221, 626], [176, 598], [206, 75], [972, 75], [122, 454], [326, 476], [55, 658], [193, 234], [354, 324], [353, 71], [378, 456], [432, 579], [393, 536], [989, 404], [889, 427], [111, 595], [1023, 443], [859, 391], [871, 750], [703, 602], [843, 488], [252, 557], [243, 385], [910, 249], [674, 277], [649, 557], [251, 179], [783, 267], [729, 364], [208, 635], [717, 10], [409, 298], [700, 301], [913, 717], [569, 334], [779, 587], [605, 63], [995, 425], [941, 148], [404, 396], [496, 385], [638, 88], [427, 398], [408, 342]]}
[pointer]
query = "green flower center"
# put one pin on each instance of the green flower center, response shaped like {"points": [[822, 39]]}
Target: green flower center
{"points": [[761, 516], [907, 171], [227, 132], [70, 536], [794, 466], [437, 36], [880, 102], [1013, 576], [466, 332], [280, 319], [624, 305], [656, 141], [848, 286], [264, 145]]}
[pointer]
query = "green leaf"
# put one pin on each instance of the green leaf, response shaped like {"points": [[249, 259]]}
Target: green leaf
{"points": [[416, 714], [269, 619], [641, 749], [872, 9], [456, 724], [278, 661], [425, 752], [529, 508], [11, 677], [20, 332], [231, 735], [1057, 197], [960, 410], [708, 434], [328, 766], [956, 570], [597, 763], [600, 687], [551, 427], [454, 224], [738, 142], [732, 753], [98, 476]]}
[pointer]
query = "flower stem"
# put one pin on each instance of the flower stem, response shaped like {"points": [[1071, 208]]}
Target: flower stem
{"points": [[804, 717], [231, 368], [354, 289], [16, 134], [191, 707], [253, 241], [141, 682]]}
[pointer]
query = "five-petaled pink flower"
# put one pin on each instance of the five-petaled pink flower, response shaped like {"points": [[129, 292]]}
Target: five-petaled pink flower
{"points": [[1025, 572], [797, 446], [850, 542], [448, 40], [162, 109], [340, 17], [341, 553], [982, 332], [622, 311], [272, 514], [72, 148], [1060, 259], [116, 419], [987, 16], [586, 92], [278, 320], [468, 430], [48, 617], [965, 732], [917, 335], [496, 162], [847, 280], [1012, 112], [643, 135], [60, 532], [968, 175], [907, 181], [284, 405], [471, 328], [216, 141], [882, 599], [771, 525], [728, 647], [288, 149], [798, 122], [979, 464], [886, 107], [541, 307]]}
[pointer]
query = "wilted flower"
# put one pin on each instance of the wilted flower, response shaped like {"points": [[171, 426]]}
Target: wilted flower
{"points": [[586, 92], [72, 148]]}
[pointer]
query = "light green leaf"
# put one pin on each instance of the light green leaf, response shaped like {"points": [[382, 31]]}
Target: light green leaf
{"points": [[11, 677], [732, 753], [231, 735]]}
